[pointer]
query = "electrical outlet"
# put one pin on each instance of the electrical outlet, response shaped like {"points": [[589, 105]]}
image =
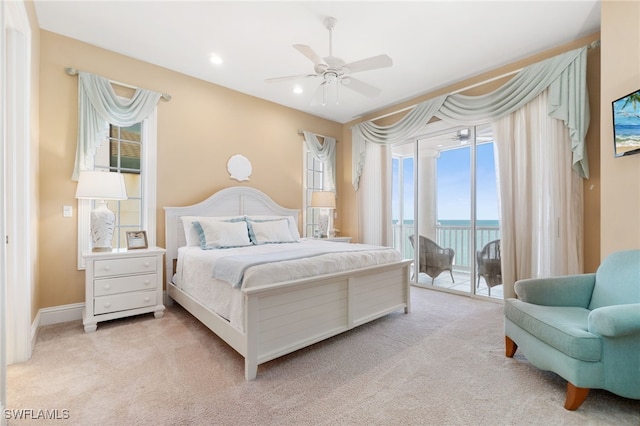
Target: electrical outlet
{"points": [[67, 211]]}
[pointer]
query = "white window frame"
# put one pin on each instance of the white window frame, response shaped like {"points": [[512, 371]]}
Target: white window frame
{"points": [[306, 201], [149, 175]]}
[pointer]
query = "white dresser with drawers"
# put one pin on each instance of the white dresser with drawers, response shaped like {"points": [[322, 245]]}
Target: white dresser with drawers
{"points": [[121, 283]]}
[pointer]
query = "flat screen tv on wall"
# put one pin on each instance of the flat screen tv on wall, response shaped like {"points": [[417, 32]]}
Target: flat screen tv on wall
{"points": [[626, 124]]}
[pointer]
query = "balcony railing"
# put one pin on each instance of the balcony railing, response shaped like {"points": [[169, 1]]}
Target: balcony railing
{"points": [[455, 237]]}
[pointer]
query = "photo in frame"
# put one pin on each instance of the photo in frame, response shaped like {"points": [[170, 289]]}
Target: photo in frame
{"points": [[137, 240]]}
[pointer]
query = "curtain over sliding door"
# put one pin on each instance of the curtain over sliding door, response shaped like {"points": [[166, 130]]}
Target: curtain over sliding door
{"points": [[541, 195]]}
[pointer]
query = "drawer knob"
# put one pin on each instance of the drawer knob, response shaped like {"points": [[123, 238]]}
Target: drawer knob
{"points": [[146, 264], [146, 299], [107, 305], [147, 282], [107, 268], [107, 286]]}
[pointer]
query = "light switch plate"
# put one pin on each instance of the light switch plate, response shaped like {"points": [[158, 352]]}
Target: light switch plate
{"points": [[67, 211]]}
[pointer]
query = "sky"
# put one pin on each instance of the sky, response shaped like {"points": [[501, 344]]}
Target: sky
{"points": [[454, 185]]}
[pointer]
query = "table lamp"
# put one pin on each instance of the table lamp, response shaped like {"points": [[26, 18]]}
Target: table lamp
{"points": [[102, 186], [324, 200]]}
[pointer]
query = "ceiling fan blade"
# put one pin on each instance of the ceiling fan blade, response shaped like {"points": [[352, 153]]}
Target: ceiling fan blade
{"points": [[289, 77], [372, 63], [361, 87], [309, 53]]}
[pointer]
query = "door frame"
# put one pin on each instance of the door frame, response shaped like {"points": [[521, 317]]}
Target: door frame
{"points": [[16, 189]]}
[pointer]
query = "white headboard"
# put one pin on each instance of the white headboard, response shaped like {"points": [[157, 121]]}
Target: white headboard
{"points": [[233, 201]]}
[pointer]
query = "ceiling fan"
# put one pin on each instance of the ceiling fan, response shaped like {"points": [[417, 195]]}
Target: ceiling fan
{"points": [[335, 71]]}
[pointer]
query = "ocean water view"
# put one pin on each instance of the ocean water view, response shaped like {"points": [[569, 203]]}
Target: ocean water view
{"points": [[479, 223], [455, 222]]}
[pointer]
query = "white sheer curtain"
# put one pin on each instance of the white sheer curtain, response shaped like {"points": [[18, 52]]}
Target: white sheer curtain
{"points": [[326, 153], [375, 190], [541, 196], [99, 106]]}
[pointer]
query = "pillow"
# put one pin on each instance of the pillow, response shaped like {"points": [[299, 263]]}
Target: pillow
{"points": [[191, 234], [269, 231], [293, 226], [215, 234]]}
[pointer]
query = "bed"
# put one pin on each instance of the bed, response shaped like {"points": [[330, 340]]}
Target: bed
{"points": [[276, 316]]}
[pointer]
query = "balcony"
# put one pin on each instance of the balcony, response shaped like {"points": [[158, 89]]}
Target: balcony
{"points": [[457, 237]]}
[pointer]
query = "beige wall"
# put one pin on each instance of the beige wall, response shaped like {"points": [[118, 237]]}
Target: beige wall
{"points": [[620, 204], [592, 200], [198, 130]]}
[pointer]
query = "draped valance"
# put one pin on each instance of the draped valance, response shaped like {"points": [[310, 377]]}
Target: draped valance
{"points": [[99, 106], [564, 75]]}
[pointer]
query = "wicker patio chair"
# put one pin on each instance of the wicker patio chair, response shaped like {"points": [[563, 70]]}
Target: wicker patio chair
{"points": [[434, 259], [490, 264]]}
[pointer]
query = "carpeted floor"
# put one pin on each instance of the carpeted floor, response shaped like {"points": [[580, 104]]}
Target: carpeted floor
{"points": [[442, 364]]}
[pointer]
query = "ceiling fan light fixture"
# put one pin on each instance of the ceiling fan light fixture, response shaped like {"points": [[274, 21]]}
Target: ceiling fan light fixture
{"points": [[330, 77]]}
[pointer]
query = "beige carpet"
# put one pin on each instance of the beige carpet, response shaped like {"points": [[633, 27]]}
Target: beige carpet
{"points": [[443, 364]]}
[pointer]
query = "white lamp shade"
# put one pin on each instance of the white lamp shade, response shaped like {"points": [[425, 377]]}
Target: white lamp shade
{"points": [[323, 199], [93, 185]]}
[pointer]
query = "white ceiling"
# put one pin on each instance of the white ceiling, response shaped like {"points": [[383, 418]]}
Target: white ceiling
{"points": [[432, 43]]}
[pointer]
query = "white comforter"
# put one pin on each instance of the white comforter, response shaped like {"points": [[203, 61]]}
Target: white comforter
{"points": [[195, 266]]}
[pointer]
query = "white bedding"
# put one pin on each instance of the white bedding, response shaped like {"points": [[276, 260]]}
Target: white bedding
{"points": [[195, 267]]}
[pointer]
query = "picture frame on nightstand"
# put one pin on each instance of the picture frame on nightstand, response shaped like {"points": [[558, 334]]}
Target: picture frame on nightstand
{"points": [[137, 240]]}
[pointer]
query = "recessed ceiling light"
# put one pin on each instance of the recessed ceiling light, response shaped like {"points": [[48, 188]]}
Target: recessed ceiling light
{"points": [[215, 59], [297, 89]]}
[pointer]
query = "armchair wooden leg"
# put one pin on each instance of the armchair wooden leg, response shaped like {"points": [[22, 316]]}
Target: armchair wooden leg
{"points": [[510, 347], [575, 396]]}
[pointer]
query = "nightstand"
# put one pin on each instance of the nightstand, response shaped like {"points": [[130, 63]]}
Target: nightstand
{"points": [[121, 283]]}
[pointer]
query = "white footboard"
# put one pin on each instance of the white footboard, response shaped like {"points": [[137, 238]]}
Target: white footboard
{"points": [[283, 318]]}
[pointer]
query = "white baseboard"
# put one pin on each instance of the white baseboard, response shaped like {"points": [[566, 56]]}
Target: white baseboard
{"points": [[54, 315], [66, 313]]}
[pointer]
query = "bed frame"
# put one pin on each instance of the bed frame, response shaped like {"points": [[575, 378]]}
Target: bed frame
{"points": [[283, 317]]}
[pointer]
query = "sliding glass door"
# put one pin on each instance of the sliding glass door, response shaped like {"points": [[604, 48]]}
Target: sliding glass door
{"points": [[445, 209]]}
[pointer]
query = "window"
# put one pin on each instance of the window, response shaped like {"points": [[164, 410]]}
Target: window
{"points": [[122, 154], [132, 152], [314, 180]]}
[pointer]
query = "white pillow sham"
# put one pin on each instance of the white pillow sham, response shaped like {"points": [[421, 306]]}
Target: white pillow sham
{"points": [[269, 231], [216, 234], [293, 226], [191, 234]]}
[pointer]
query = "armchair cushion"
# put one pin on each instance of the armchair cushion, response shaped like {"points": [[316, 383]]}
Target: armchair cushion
{"points": [[564, 328]]}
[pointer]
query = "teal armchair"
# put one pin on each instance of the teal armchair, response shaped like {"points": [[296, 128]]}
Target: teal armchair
{"points": [[585, 328]]}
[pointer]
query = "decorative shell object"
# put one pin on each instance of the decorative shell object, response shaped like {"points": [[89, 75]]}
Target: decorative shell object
{"points": [[239, 167]]}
